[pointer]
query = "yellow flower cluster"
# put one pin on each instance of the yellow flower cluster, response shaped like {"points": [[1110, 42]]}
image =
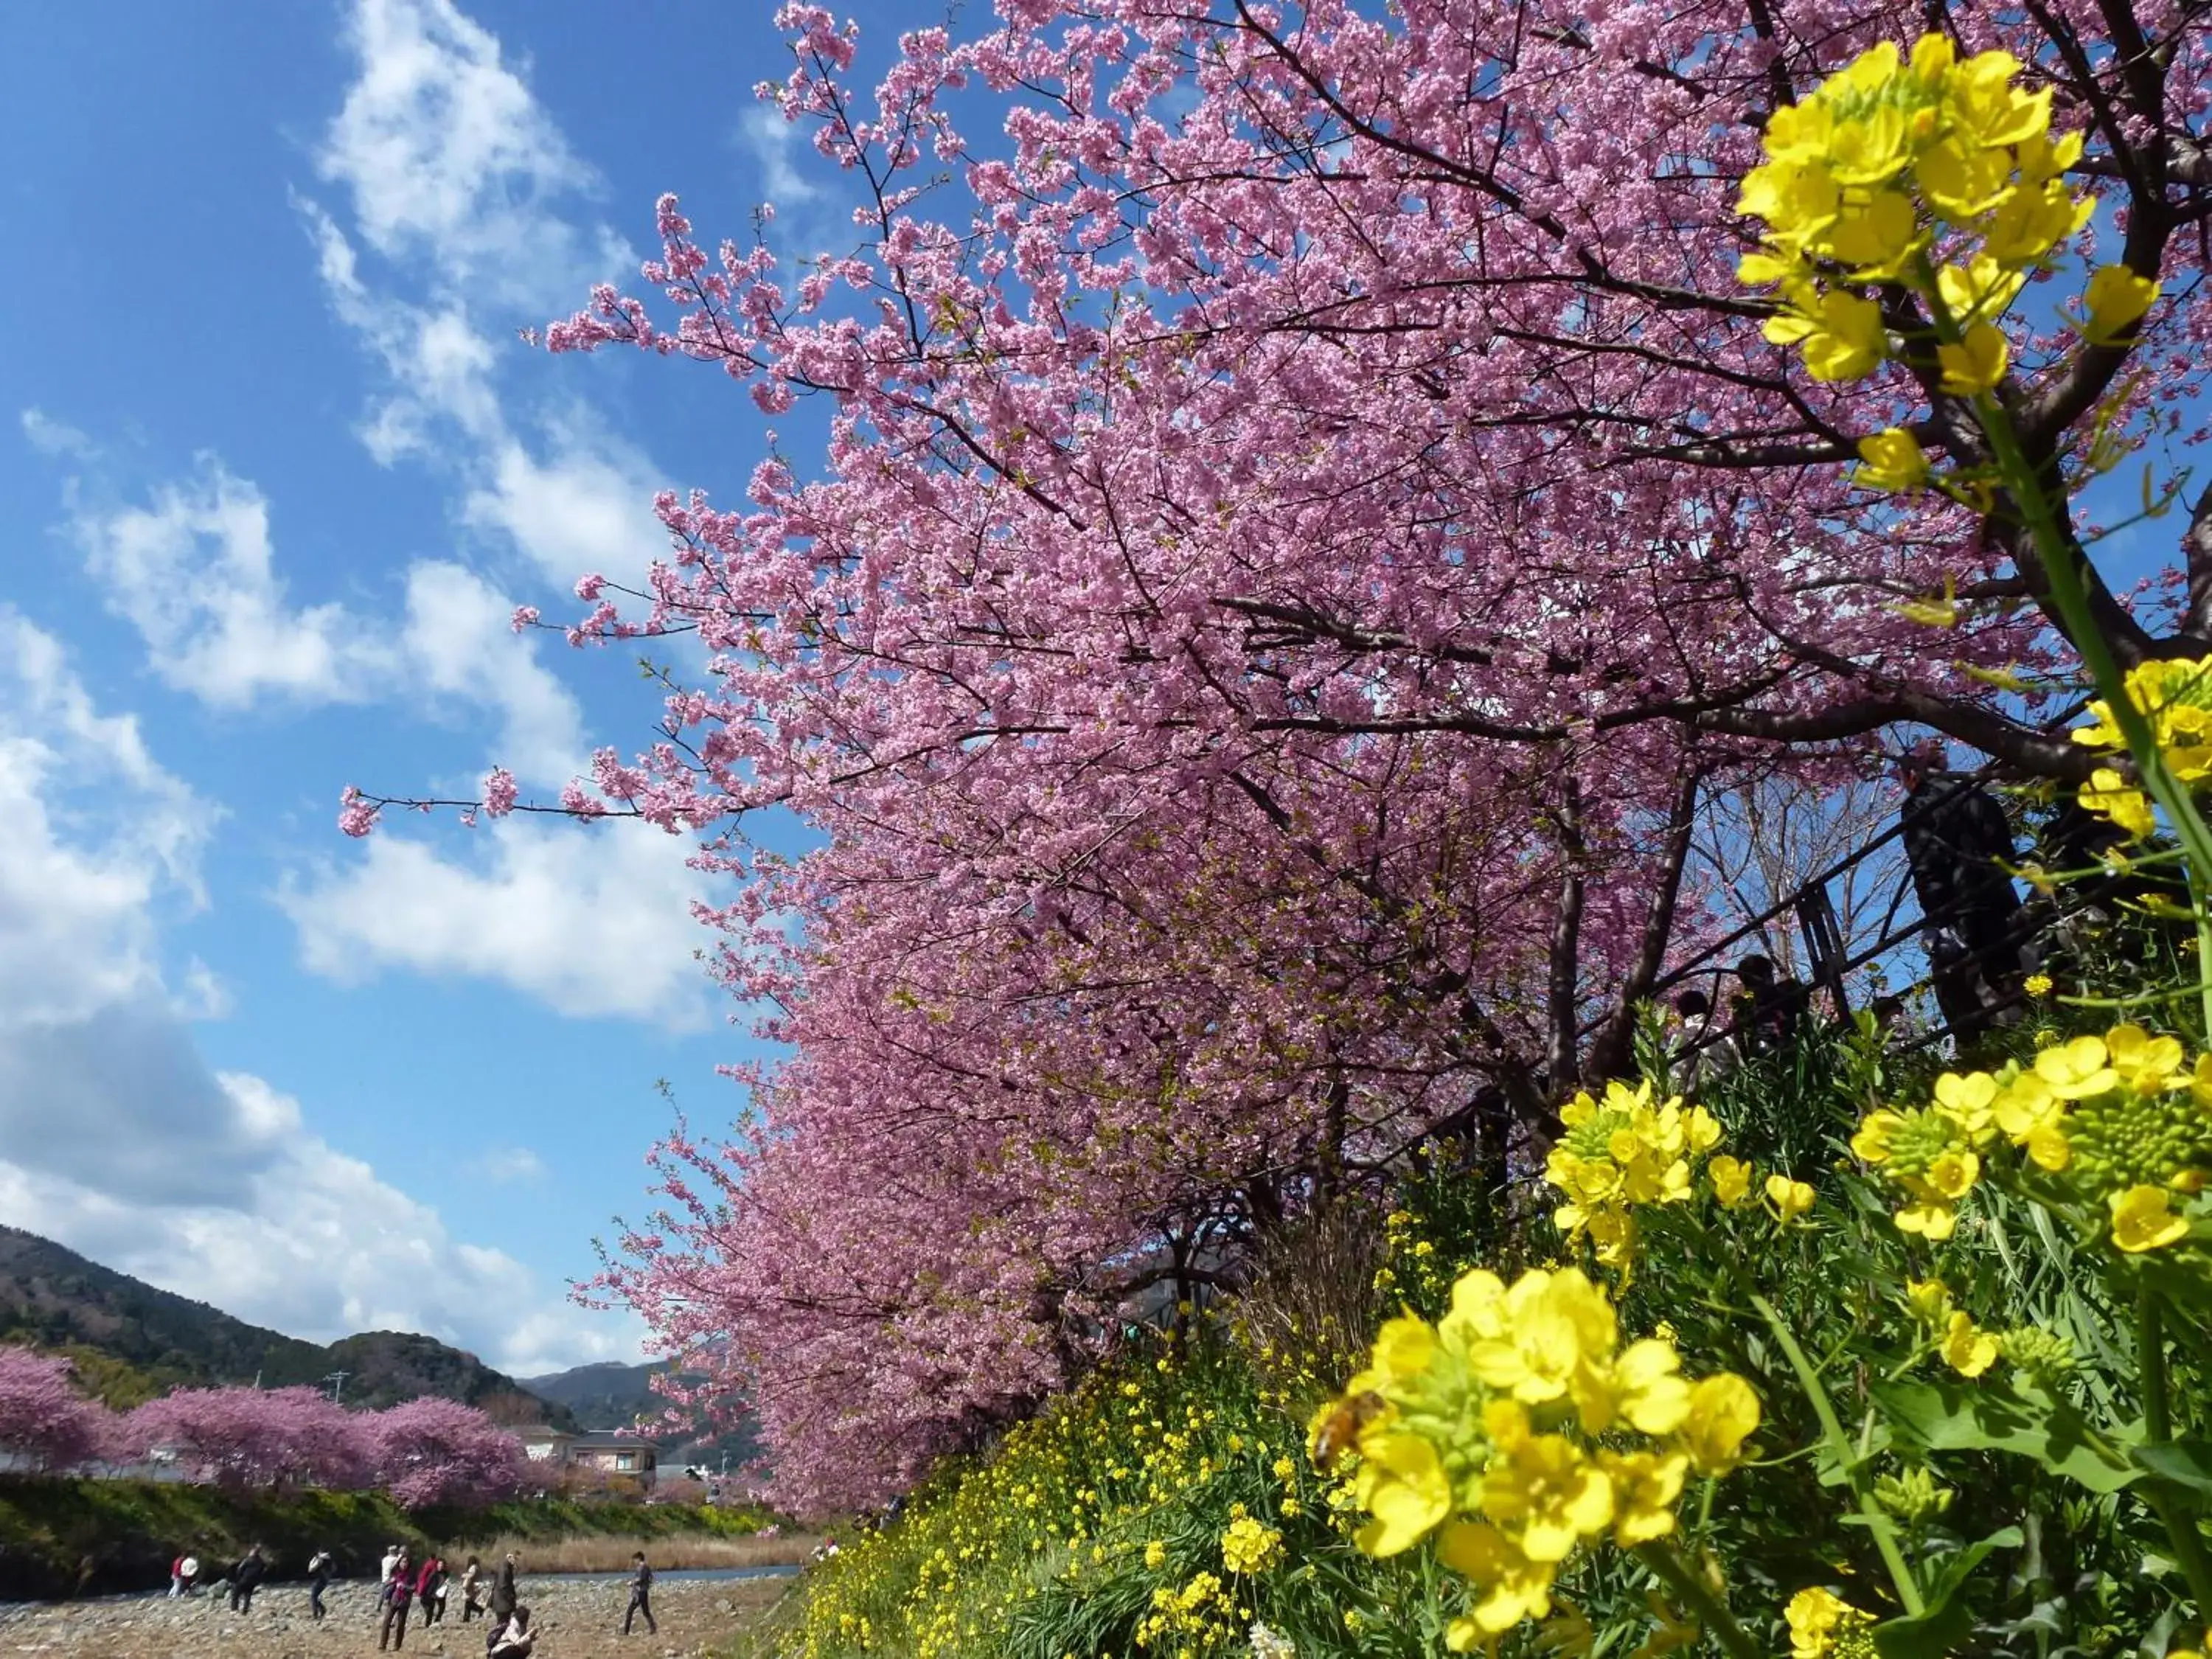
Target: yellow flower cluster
{"points": [[1202, 1614], [1412, 1267], [1928, 174], [1079, 1490], [1823, 1624], [2175, 698], [1250, 1547], [1624, 1151], [1965, 1347], [1484, 1430], [2120, 1118]]}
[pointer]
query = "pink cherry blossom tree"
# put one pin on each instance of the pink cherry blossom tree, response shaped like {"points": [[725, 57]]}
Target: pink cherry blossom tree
{"points": [[254, 1437], [1306, 507], [432, 1451], [45, 1424]]}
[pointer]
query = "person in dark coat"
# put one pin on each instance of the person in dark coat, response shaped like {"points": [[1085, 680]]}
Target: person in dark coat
{"points": [[319, 1566], [503, 1598], [245, 1578], [640, 1595], [1957, 841], [1763, 1016]]}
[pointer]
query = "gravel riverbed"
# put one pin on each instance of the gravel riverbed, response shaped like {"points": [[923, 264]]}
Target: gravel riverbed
{"points": [[581, 1619]]}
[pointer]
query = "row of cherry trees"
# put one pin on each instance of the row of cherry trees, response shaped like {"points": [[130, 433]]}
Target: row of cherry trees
{"points": [[1307, 512], [423, 1452]]}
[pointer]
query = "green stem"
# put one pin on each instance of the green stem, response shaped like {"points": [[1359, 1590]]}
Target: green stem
{"points": [[2177, 1516], [2069, 597], [1698, 1599], [2197, 880], [1847, 1460]]}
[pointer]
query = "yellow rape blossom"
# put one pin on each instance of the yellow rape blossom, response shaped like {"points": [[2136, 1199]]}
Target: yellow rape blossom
{"points": [[1790, 1199], [2142, 1220], [1967, 1349], [1977, 363], [1891, 460], [2114, 301], [1840, 334], [1822, 1623], [1731, 1179], [1724, 1412]]}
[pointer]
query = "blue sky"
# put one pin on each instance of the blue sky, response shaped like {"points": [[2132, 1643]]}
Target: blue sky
{"points": [[274, 472]]}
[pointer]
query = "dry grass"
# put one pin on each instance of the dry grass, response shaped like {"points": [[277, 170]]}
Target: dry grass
{"points": [[608, 1554], [1306, 1318]]}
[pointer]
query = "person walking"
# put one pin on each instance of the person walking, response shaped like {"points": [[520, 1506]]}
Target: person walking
{"points": [[430, 1588], [472, 1590], [503, 1598], [319, 1566], [245, 1578], [398, 1592], [384, 1573], [177, 1575], [640, 1596]]}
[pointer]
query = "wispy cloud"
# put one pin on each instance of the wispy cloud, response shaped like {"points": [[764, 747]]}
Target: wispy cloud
{"points": [[772, 141], [194, 568], [507, 1165]]}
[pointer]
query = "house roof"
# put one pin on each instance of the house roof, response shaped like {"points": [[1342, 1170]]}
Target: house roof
{"points": [[613, 1440]]}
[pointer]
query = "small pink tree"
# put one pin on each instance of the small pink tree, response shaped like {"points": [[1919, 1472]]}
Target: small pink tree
{"points": [[439, 1451], [255, 1437], [44, 1422]]}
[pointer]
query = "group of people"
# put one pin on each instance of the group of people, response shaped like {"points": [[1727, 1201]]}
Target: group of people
{"points": [[405, 1584], [1762, 1018], [187, 1573], [1958, 849], [402, 1584]]}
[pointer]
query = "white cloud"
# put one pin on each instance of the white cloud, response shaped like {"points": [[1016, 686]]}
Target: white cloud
{"points": [[450, 159], [118, 1139], [459, 642], [460, 180], [318, 1246], [92, 831], [771, 141], [581, 510], [589, 920], [52, 437], [507, 1164], [194, 573]]}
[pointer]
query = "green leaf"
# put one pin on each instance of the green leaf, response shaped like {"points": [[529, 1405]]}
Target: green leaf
{"points": [[2178, 1462], [1949, 1417], [1928, 1635], [1944, 1621]]}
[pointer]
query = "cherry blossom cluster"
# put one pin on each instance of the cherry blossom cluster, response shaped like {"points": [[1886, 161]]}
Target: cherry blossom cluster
{"points": [[1307, 505]]}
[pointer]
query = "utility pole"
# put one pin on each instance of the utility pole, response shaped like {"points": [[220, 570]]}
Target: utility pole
{"points": [[336, 1380]]}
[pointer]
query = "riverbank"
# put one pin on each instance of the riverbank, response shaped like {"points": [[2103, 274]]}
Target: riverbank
{"points": [[581, 1618], [62, 1539]]}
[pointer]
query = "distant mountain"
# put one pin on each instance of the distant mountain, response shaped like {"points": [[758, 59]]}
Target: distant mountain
{"points": [[135, 1340], [605, 1395], [612, 1396]]}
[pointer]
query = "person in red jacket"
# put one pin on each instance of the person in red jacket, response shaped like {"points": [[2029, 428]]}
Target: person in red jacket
{"points": [[430, 1588]]}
